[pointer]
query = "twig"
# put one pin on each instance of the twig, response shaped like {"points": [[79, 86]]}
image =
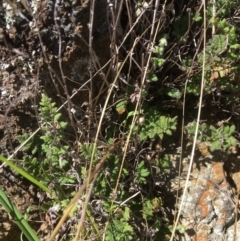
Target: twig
{"points": [[80, 225], [69, 102], [90, 26]]}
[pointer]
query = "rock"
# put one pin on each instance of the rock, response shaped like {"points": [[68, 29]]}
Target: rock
{"points": [[208, 212]]}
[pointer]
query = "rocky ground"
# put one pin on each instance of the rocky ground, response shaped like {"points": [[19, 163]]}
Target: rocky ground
{"points": [[211, 200]]}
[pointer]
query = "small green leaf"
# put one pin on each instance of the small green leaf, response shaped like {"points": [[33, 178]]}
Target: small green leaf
{"points": [[197, 17], [174, 93], [121, 107], [144, 173], [126, 213], [152, 77], [232, 128], [63, 124], [140, 165], [225, 130], [57, 116], [231, 141], [34, 150], [181, 229], [168, 132], [216, 146]]}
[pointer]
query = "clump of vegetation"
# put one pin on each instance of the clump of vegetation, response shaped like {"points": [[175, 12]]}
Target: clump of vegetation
{"points": [[221, 138], [47, 158], [116, 165], [48, 154]]}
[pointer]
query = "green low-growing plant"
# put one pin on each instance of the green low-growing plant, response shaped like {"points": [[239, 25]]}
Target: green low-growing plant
{"points": [[141, 173], [86, 150], [46, 154], [222, 49], [150, 206], [220, 138], [159, 60], [119, 229], [122, 217], [157, 124]]}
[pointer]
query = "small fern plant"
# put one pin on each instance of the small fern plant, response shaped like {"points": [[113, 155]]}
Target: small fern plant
{"points": [[45, 153]]}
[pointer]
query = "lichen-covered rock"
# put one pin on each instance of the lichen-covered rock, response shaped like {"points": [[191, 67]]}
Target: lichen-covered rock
{"points": [[208, 212]]}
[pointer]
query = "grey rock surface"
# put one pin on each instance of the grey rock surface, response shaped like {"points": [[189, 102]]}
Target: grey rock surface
{"points": [[209, 206]]}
